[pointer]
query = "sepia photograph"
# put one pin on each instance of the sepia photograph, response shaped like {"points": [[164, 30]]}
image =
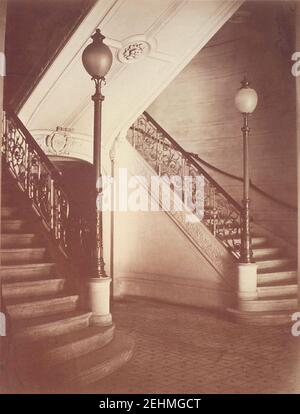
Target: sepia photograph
{"points": [[149, 195]]}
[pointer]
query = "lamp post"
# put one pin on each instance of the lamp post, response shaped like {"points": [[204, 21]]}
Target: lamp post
{"points": [[97, 60], [246, 101]]}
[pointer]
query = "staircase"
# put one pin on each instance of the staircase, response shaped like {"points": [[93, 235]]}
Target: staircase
{"points": [[277, 270], [54, 348], [277, 286]]}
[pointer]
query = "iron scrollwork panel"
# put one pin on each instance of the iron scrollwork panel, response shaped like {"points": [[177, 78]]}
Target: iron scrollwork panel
{"points": [[68, 223], [218, 213]]}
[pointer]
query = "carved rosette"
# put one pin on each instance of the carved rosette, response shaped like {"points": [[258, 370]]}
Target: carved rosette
{"points": [[134, 50]]}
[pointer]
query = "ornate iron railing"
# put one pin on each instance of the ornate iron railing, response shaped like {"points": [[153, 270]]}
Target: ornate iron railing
{"points": [[222, 215], [43, 185], [254, 187]]}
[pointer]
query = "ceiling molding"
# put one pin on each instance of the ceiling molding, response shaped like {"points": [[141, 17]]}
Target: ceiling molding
{"points": [[101, 12], [175, 31]]}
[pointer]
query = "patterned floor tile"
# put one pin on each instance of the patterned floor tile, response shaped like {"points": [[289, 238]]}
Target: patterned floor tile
{"points": [[189, 350]]}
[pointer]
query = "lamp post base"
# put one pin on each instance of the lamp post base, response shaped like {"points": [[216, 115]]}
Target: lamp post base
{"points": [[99, 301], [247, 281]]}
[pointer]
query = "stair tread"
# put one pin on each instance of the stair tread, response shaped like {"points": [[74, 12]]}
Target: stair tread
{"points": [[267, 246], [263, 313], [270, 271], [278, 285], [262, 318], [93, 359], [269, 299], [33, 301], [273, 258], [71, 337], [31, 283], [44, 320], [26, 265], [75, 336], [19, 272], [22, 249], [82, 370], [15, 220], [20, 240], [11, 235]]}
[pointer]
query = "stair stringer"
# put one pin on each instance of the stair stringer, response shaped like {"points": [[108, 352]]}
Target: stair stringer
{"points": [[212, 251]]}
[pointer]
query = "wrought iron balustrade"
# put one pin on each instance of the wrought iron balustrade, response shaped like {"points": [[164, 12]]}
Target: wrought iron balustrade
{"points": [[43, 185], [222, 215]]}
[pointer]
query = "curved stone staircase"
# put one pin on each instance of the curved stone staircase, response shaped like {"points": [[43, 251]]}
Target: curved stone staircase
{"points": [[53, 345], [277, 286]]}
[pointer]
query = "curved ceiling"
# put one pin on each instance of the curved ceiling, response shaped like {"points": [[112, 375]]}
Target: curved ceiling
{"points": [[152, 41]]}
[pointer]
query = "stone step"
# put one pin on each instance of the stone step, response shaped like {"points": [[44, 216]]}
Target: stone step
{"points": [[32, 289], [6, 198], [16, 226], [273, 264], [277, 291], [61, 348], [9, 212], [289, 303], [8, 185], [261, 318], [262, 252], [267, 277], [45, 327], [10, 240], [22, 255], [11, 199], [92, 367], [26, 272], [259, 241], [42, 307]]}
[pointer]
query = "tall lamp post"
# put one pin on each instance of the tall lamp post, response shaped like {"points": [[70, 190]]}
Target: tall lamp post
{"points": [[97, 60], [246, 101]]}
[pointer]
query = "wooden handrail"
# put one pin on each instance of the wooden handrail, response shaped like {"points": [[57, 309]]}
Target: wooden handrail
{"points": [[235, 177], [192, 161]]}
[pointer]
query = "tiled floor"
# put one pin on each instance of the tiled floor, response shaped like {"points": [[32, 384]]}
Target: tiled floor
{"points": [[187, 350]]}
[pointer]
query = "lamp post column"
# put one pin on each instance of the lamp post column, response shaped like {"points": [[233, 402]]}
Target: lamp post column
{"points": [[97, 60], [98, 98], [246, 247], [246, 101]]}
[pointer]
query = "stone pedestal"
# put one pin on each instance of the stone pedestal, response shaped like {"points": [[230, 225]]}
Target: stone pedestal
{"points": [[99, 301], [247, 281]]}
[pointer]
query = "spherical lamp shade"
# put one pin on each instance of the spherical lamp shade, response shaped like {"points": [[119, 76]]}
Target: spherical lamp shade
{"points": [[97, 57], [246, 98]]}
